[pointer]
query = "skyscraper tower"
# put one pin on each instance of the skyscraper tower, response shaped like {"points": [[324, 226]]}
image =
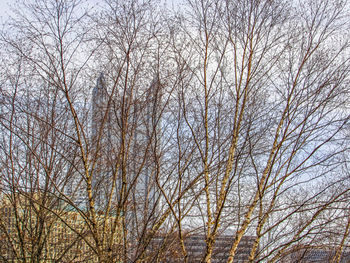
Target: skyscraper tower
{"points": [[99, 107], [148, 133], [142, 143], [101, 141]]}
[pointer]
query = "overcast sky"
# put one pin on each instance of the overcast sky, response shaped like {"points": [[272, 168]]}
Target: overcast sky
{"points": [[3, 9]]}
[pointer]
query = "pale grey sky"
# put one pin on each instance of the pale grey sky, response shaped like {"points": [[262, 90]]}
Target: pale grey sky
{"points": [[4, 8]]}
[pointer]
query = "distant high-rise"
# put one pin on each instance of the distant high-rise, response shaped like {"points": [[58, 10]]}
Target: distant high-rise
{"points": [[148, 135], [101, 141], [143, 143], [99, 104]]}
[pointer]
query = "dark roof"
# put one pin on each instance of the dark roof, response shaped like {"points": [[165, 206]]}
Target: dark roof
{"points": [[195, 246], [318, 255]]}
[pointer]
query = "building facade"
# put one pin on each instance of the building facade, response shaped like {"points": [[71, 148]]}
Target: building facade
{"points": [[60, 235]]}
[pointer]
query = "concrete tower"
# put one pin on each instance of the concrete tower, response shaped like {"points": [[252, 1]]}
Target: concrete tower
{"points": [[101, 141], [105, 135]]}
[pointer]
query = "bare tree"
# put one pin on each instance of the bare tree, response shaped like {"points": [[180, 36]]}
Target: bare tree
{"points": [[269, 88], [130, 127]]}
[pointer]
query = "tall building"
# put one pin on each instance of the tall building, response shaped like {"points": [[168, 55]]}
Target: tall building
{"points": [[142, 111], [101, 141], [148, 138]]}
